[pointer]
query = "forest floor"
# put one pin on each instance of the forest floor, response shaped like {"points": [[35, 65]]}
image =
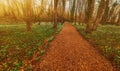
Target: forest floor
{"points": [[69, 51]]}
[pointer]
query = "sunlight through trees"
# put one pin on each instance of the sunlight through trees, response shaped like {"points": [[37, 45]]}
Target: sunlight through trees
{"points": [[81, 11]]}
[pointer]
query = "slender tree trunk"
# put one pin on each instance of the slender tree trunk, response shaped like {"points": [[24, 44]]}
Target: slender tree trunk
{"points": [[76, 15], [81, 6], [89, 26], [90, 11], [72, 11], [118, 22], [28, 13], [28, 26], [106, 12], [64, 4], [55, 13], [111, 12], [99, 14], [39, 23]]}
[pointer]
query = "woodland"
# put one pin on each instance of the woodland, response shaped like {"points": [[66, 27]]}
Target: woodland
{"points": [[28, 28]]}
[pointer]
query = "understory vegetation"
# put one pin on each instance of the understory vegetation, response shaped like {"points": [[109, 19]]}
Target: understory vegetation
{"points": [[37, 20], [107, 39], [17, 46]]}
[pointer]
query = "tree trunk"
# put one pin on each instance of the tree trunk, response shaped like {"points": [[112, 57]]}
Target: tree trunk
{"points": [[99, 14], [89, 26], [64, 4], [106, 12], [72, 11], [89, 12], [96, 24], [28, 26], [118, 22], [55, 13], [111, 13], [39, 23]]}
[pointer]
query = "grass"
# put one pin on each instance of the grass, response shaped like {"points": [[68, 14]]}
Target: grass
{"points": [[107, 39], [17, 46]]}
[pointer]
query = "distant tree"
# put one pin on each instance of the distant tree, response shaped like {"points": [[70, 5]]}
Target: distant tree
{"points": [[112, 11], [28, 14], [115, 13], [82, 11]]}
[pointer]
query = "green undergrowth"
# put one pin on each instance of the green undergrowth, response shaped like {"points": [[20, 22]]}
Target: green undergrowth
{"points": [[51, 38], [18, 46], [107, 39]]}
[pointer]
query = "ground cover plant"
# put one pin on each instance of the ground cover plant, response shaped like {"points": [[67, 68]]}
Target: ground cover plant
{"points": [[27, 27], [107, 39], [17, 45]]}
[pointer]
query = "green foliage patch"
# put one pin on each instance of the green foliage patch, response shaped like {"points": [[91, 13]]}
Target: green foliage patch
{"points": [[17, 46]]}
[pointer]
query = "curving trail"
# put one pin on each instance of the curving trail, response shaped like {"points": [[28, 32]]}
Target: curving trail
{"points": [[69, 51]]}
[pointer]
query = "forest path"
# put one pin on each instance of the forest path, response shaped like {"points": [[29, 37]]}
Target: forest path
{"points": [[69, 51]]}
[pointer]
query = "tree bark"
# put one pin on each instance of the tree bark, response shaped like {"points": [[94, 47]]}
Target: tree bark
{"points": [[99, 14], [106, 12], [28, 26], [90, 11], [118, 22], [72, 11], [55, 13], [112, 12], [64, 4], [28, 13]]}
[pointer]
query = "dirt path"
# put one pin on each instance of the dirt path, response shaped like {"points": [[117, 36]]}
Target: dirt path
{"points": [[70, 52]]}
